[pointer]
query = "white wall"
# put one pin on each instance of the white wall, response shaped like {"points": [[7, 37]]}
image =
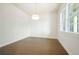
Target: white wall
{"points": [[16, 24], [13, 24], [1, 27], [70, 41], [46, 26]]}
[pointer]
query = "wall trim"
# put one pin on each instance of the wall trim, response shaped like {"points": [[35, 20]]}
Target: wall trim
{"points": [[44, 37], [63, 46], [12, 42]]}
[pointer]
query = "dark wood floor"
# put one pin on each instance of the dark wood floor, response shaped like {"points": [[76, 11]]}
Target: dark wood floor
{"points": [[34, 46]]}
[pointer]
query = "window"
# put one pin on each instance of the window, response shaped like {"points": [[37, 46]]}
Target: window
{"points": [[69, 18]]}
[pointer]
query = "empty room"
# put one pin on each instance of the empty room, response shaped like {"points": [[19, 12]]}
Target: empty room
{"points": [[39, 28]]}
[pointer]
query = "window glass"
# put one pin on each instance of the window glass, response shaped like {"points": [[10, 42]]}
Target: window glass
{"points": [[70, 18]]}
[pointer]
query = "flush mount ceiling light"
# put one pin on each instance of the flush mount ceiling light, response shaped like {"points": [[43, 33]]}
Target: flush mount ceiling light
{"points": [[35, 17]]}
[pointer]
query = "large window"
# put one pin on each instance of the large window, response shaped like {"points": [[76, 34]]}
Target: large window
{"points": [[69, 18]]}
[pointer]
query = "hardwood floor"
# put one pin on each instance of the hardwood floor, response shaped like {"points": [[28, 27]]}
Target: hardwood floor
{"points": [[34, 46]]}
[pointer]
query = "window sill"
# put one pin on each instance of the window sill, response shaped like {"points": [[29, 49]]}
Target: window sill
{"points": [[71, 32]]}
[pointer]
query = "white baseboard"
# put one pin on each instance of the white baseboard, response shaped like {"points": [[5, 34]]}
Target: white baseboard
{"points": [[23, 38], [12, 41], [44, 37], [63, 46]]}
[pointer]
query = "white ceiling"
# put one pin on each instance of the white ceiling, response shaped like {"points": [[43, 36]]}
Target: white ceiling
{"points": [[39, 8]]}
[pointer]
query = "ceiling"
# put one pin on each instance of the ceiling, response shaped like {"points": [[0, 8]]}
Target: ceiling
{"points": [[38, 8]]}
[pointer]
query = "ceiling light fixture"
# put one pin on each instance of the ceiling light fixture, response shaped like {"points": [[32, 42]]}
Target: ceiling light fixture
{"points": [[35, 17]]}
